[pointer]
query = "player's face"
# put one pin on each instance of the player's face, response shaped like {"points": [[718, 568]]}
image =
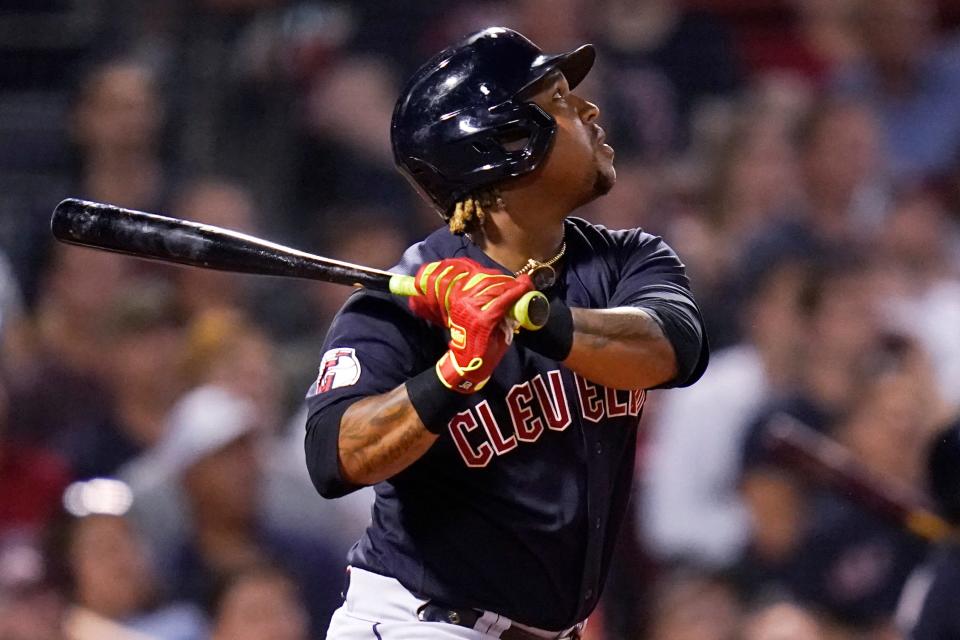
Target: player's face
{"points": [[580, 159]]}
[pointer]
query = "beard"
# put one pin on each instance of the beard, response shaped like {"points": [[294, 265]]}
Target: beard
{"points": [[602, 183]]}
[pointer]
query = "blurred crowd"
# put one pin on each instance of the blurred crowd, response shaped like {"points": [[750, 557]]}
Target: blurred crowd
{"points": [[802, 156]]}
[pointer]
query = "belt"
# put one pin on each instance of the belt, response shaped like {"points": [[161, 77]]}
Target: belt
{"points": [[434, 611]]}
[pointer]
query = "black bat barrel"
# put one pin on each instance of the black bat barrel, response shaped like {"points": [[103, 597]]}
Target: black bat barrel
{"points": [[147, 235]]}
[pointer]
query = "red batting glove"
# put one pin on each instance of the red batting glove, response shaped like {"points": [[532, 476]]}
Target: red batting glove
{"points": [[479, 333], [438, 284]]}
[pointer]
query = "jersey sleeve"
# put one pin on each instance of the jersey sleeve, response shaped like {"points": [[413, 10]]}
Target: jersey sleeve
{"points": [[373, 346], [652, 277]]}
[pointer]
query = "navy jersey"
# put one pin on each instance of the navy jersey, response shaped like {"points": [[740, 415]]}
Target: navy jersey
{"points": [[516, 508]]}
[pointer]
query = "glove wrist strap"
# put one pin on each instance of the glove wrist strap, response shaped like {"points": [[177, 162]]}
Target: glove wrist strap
{"points": [[434, 403], [555, 339]]}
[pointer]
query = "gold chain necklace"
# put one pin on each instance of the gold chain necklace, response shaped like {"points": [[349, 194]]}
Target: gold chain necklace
{"points": [[532, 264], [542, 273]]}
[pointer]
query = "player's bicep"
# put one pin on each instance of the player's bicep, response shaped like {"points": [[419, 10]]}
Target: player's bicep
{"points": [[652, 277]]}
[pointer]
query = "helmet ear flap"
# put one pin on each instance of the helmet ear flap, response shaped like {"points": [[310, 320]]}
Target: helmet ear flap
{"points": [[542, 128], [517, 145]]}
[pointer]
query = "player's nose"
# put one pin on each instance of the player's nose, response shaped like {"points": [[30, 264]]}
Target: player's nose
{"points": [[588, 111]]}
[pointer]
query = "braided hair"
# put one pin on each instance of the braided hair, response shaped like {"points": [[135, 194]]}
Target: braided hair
{"points": [[470, 213]]}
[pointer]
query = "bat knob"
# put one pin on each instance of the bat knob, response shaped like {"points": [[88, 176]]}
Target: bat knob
{"points": [[531, 311]]}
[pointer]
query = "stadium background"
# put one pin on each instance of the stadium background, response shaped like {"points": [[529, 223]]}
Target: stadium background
{"points": [[803, 156]]}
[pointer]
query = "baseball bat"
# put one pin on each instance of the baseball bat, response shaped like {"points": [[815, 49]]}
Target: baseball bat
{"points": [[156, 237], [828, 462]]}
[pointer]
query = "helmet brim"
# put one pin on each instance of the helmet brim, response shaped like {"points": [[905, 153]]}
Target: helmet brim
{"points": [[574, 65]]}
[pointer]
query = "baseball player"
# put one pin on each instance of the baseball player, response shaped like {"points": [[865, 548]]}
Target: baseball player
{"points": [[928, 605], [502, 461]]}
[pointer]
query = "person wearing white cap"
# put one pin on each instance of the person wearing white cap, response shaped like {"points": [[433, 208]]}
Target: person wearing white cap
{"points": [[97, 561], [211, 453]]}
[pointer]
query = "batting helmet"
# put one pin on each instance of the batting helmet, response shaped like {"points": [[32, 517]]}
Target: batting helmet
{"points": [[943, 472], [462, 123]]}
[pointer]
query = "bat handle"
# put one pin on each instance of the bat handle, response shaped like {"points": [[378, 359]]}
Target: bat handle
{"points": [[531, 311]]}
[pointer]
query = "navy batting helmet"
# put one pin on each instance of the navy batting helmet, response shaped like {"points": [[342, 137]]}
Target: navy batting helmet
{"points": [[462, 124], [943, 472]]}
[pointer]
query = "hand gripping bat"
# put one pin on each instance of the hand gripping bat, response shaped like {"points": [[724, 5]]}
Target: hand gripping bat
{"points": [[147, 235]]}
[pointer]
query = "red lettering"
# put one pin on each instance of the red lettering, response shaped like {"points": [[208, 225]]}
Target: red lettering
{"points": [[459, 426], [553, 402], [500, 444], [527, 426], [614, 409], [637, 398], [591, 404]]}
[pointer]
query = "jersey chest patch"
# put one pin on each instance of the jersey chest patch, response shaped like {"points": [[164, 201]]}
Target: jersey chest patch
{"points": [[339, 367]]}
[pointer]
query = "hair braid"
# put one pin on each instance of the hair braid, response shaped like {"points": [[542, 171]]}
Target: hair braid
{"points": [[470, 212]]}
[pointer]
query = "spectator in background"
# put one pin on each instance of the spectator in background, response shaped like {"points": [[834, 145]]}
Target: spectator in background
{"points": [[211, 453], [260, 602], [854, 564], [374, 236], [230, 352], [826, 29], [226, 350], [11, 317], [919, 278], [846, 197], [912, 81], [376, 241], [694, 606], [347, 161], [839, 326], [695, 512], [30, 608], [554, 24], [755, 178], [142, 364], [66, 343], [258, 305], [660, 60], [928, 606], [78, 289], [840, 199], [753, 183], [99, 563], [222, 203], [115, 126], [781, 621], [239, 67], [32, 481], [895, 415], [114, 132]]}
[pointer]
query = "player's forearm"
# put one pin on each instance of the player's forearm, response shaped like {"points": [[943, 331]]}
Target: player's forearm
{"points": [[623, 348], [381, 436]]}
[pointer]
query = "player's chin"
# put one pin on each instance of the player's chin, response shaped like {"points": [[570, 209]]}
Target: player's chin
{"points": [[606, 175]]}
